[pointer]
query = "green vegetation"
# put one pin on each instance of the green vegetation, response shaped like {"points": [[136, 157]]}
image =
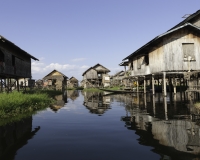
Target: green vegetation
{"points": [[16, 103], [92, 90], [115, 88]]}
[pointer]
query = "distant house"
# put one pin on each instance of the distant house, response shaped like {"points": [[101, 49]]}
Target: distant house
{"points": [[55, 80], [96, 76], [169, 56], [15, 63], [72, 82], [117, 78]]}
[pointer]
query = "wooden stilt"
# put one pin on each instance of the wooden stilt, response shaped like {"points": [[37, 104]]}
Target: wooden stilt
{"points": [[174, 84], [154, 105], [145, 100], [137, 85], [144, 85], [153, 87], [164, 84], [165, 107]]}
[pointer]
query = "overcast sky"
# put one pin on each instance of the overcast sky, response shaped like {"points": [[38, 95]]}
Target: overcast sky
{"points": [[73, 35]]}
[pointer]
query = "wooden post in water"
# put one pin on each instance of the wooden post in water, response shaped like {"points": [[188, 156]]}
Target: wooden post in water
{"points": [[145, 101], [154, 105], [174, 84], [153, 88], [164, 84], [144, 85], [165, 108]]}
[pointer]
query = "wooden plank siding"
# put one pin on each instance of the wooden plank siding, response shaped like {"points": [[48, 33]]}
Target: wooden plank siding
{"points": [[168, 54], [14, 63]]}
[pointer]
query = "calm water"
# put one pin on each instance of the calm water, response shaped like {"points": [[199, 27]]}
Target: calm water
{"points": [[99, 126]]}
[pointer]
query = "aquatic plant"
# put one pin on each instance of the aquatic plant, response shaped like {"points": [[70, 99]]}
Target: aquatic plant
{"points": [[12, 104]]}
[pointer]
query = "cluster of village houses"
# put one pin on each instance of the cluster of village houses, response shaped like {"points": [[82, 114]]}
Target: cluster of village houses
{"points": [[171, 58]]}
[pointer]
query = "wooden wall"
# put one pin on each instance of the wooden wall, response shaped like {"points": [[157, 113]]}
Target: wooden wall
{"points": [[173, 51], [91, 74], [22, 67], [168, 55]]}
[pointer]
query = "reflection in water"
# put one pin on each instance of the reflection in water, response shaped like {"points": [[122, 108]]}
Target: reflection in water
{"points": [[60, 102], [14, 136], [72, 94], [96, 102], [167, 125]]}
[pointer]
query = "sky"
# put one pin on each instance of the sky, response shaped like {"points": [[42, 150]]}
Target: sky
{"points": [[74, 35]]}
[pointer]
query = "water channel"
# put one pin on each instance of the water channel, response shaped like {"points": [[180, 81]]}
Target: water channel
{"points": [[101, 126]]}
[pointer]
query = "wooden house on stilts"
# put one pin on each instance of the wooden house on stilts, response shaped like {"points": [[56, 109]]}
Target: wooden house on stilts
{"points": [[96, 76], [172, 57], [72, 82], [15, 63], [55, 80]]}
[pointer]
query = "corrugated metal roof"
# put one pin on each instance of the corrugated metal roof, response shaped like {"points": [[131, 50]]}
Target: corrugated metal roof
{"points": [[55, 71], [187, 20], [160, 36], [16, 47]]}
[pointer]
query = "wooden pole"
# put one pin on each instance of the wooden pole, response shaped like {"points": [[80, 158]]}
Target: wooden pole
{"points": [[174, 84], [145, 101], [137, 85], [153, 87], [165, 107], [164, 84], [154, 105], [144, 85]]}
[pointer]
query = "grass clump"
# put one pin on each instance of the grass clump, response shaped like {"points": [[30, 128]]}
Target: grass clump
{"points": [[12, 104]]}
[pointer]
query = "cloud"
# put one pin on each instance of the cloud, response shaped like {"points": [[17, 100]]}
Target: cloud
{"points": [[78, 59], [40, 69]]}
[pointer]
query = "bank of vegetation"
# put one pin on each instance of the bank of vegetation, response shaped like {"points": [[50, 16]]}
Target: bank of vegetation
{"points": [[92, 90], [16, 103]]}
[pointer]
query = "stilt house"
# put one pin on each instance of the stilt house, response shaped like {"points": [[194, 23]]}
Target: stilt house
{"points": [[55, 80], [72, 83], [96, 76], [117, 78], [172, 55], [15, 63]]}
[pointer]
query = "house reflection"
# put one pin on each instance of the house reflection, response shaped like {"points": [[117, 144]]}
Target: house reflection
{"points": [[72, 94], [166, 124], [14, 136], [96, 102], [60, 102]]}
